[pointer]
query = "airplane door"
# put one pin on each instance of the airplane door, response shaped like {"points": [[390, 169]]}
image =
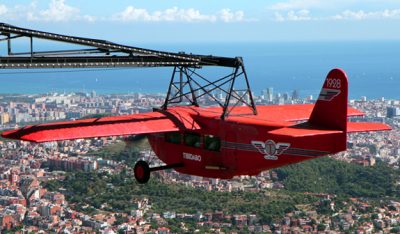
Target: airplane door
{"points": [[229, 152]]}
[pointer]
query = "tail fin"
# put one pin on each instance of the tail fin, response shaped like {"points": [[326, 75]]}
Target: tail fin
{"points": [[330, 111]]}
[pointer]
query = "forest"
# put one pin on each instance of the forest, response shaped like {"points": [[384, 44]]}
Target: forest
{"points": [[118, 193]]}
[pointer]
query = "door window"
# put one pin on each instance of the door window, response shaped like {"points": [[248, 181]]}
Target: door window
{"points": [[173, 137], [212, 143], [192, 139]]}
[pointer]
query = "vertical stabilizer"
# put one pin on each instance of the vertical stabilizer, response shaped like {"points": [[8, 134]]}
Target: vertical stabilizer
{"points": [[330, 110]]}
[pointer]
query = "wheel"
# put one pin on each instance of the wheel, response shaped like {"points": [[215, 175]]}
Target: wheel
{"points": [[142, 172]]}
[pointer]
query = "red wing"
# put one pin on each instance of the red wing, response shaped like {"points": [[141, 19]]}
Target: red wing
{"points": [[152, 122]]}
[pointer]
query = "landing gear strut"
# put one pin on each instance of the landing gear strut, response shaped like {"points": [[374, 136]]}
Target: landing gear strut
{"points": [[142, 170]]}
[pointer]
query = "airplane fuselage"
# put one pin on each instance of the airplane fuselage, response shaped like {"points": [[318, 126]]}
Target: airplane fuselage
{"points": [[238, 146]]}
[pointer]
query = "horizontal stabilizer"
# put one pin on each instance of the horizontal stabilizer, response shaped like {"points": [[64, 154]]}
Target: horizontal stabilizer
{"points": [[352, 112], [286, 113], [366, 127], [152, 122], [352, 127], [302, 132], [295, 112]]}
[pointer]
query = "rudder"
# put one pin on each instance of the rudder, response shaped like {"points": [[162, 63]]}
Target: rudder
{"points": [[330, 110]]}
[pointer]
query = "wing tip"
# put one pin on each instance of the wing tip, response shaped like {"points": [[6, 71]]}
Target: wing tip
{"points": [[9, 134], [20, 135]]}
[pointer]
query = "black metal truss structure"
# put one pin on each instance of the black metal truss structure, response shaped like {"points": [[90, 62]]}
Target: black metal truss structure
{"points": [[186, 87], [100, 53]]}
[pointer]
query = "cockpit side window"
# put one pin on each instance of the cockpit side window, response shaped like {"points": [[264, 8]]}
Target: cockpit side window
{"points": [[173, 137], [192, 139], [212, 143]]}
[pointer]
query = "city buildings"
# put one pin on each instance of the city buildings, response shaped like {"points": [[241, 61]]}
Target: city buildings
{"points": [[25, 167]]}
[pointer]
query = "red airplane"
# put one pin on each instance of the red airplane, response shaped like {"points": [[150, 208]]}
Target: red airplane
{"points": [[196, 141]]}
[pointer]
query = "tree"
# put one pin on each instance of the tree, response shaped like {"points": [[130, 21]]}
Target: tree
{"points": [[321, 227]]}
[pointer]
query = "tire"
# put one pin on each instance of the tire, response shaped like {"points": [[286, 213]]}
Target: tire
{"points": [[142, 172]]}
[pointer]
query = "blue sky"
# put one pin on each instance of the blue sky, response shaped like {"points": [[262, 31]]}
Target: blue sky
{"points": [[163, 21]]}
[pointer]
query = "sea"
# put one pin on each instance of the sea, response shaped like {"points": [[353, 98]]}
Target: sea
{"points": [[373, 68]]}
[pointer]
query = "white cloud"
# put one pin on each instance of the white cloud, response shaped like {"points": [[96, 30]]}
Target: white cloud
{"points": [[171, 14], [305, 15], [60, 11], [3, 10], [175, 14], [227, 15], [15, 12], [301, 15], [89, 18], [329, 5], [372, 15], [295, 5], [57, 11]]}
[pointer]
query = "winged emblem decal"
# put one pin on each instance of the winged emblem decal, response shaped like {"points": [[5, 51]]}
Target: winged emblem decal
{"points": [[328, 94], [270, 149]]}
